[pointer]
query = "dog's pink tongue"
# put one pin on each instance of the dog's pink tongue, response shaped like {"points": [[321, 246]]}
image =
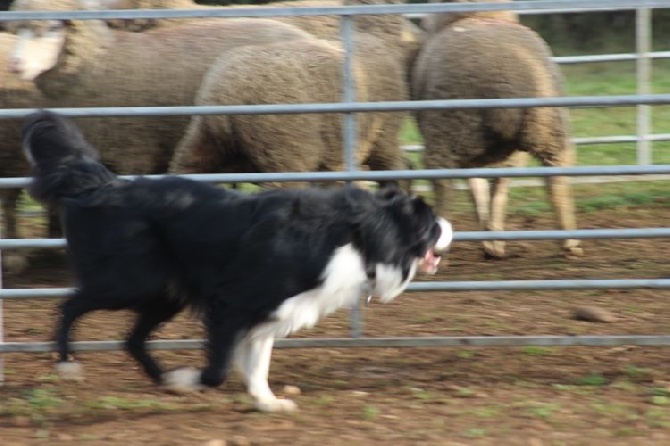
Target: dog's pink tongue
{"points": [[429, 262]]}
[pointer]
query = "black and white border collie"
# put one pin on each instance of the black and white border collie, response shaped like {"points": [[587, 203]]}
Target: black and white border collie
{"points": [[254, 266]]}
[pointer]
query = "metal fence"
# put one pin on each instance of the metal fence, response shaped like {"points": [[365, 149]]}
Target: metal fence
{"points": [[348, 106]]}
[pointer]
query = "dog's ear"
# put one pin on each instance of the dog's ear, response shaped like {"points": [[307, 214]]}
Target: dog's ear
{"points": [[389, 191]]}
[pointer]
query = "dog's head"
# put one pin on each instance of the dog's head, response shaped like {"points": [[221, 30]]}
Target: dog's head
{"points": [[425, 236]]}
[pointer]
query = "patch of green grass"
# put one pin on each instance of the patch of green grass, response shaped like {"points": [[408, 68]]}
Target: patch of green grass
{"points": [[638, 374], [324, 400], [35, 404], [592, 380], [370, 412], [533, 350], [660, 400], [42, 399], [543, 410], [466, 354], [658, 417], [487, 411], [475, 432], [465, 392], [624, 385], [119, 403], [619, 410], [423, 394]]}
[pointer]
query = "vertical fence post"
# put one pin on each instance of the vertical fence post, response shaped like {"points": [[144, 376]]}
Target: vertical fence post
{"points": [[643, 80], [350, 132], [2, 327]]}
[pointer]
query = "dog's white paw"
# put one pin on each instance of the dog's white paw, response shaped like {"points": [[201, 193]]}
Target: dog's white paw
{"points": [[182, 380], [70, 371], [276, 405]]}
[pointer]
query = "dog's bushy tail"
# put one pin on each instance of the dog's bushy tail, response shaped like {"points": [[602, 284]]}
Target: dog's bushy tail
{"points": [[64, 164]]}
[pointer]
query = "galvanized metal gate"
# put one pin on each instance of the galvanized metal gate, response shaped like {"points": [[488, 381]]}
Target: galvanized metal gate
{"points": [[641, 100]]}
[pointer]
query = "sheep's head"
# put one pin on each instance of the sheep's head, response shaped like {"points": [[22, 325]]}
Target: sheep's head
{"points": [[40, 44], [433, 23]]}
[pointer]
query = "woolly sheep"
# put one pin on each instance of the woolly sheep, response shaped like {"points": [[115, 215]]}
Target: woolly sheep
{"points": [[294, 72], [101, 67], [14, 93], [216, 139], [491, 55]]}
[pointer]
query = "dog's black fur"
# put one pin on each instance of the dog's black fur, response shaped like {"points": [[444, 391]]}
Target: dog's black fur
{"points": [[157, 246]]}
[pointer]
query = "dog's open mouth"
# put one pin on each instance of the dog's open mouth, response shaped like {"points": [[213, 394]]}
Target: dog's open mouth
{"points": [[430, 261]]}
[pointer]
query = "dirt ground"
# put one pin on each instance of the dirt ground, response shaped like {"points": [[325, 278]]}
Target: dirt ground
{"points": [[531, 396]]}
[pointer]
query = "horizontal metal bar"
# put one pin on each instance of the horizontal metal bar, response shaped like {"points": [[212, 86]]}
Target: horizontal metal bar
{"points": [[26, 243], [535, 6], [514, 285], [497, 285], [580, 141], [609, 57], [446, 341], [485, 172], [459, 236], [356, 107]]}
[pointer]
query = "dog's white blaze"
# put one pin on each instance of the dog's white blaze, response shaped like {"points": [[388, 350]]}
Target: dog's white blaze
{"points": [[447, 235]]}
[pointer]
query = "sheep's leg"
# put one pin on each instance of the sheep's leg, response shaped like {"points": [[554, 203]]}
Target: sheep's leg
{"points": [[443, 189], [499, 195], [13, 261], [483, 198], [558, 188]]}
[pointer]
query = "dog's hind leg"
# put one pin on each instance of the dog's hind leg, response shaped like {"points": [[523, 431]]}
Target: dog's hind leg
{"points": [[252, 358], [71, 310], [149, 317]]}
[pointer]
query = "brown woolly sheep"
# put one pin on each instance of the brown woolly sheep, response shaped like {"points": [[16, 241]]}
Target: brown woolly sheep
{"points": [[217, 138], [490, 55], [100, 67], [288, 72]]}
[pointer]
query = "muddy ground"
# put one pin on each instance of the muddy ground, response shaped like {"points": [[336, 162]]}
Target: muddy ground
{"points": [[414, 396]]}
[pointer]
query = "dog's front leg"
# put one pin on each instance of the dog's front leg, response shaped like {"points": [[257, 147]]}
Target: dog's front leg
{"points": [[253, 361], [223, 329]]}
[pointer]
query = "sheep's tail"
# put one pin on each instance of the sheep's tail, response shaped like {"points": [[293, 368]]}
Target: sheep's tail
{"points": [[64, 164]]}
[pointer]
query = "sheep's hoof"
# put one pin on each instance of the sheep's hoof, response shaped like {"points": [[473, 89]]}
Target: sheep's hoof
{"points": [[182, 380], [276, 405], [494, 251], [573, 251], [70, 371], [15, 263]]}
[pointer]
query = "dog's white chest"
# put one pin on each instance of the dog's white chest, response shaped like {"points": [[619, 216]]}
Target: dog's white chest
{"points": [[344, 281]]}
